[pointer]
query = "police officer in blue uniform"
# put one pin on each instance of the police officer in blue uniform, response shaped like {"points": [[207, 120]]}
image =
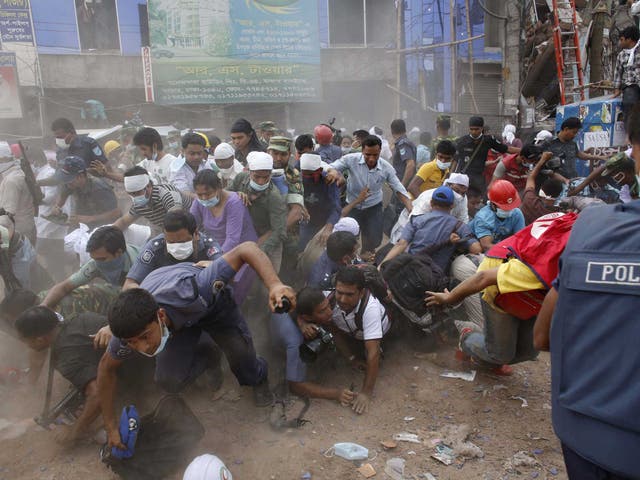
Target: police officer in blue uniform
{"points": [[167, 316], [589, 322], [180, 242]]}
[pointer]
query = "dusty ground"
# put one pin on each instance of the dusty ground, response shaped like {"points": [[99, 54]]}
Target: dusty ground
{"points": [[408, 386]]}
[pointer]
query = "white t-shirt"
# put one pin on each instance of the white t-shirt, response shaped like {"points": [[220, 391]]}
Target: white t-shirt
{"points": [[45, 228], [375, 322], [160, 169]]}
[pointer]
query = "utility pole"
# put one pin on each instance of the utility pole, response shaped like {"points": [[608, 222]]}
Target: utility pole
{"points": [[399, 8], [453, 50], [600, 12]]}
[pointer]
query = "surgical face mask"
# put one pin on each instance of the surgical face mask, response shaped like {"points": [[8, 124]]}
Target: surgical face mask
{"points": [[140, 201], [257, 187], [226, 172], [112, 269], [210, 202], [173, 145], [500, 213], [163, 341], [154, 157], [476, 137], [443, 165], [277, 172], [60, 143], [180, 251], [346, 150]]}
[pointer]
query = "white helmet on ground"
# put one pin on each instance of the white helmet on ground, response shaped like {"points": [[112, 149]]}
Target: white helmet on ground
{"points": [[207, 467]]}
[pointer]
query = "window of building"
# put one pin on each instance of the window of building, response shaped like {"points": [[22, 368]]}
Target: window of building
{"points": [[362, 23], [98, 24]]}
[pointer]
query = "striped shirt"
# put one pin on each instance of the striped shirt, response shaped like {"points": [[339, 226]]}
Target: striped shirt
{"points": [[163, 198]]}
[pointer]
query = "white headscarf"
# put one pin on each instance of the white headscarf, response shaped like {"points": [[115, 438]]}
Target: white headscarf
{"points": [[508, 134]]}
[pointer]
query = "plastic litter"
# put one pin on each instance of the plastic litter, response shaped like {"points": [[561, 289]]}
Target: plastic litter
{"points": [[466, 376], [522, 399], [306, 476], [444, 454], [406, 437], [349, 451], [395, 468], [409, 419]]}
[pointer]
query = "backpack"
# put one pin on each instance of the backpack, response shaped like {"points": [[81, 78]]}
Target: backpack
{"points": [[409, 276], [164, 442]]}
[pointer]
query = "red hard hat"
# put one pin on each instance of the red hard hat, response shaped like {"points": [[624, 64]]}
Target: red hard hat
{"points": [[504, 195], [323, 134], [16, 151]]}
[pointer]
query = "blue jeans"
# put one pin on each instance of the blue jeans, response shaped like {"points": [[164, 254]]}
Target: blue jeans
{"points": [[371, 223], [506, 339], [287, 337], [579, 468]]}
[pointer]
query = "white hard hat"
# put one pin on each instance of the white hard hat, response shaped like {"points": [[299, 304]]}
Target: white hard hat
{"points": [[207, 467]]}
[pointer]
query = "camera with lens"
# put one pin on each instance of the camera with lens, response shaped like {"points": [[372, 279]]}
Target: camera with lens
{"points": [[310, 350]]}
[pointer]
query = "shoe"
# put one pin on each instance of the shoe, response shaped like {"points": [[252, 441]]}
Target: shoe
{"points": [[262, 395], [502, 371]]}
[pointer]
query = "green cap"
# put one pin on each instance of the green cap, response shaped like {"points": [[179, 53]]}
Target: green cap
{"points": [[268, 126], [282, 144], [618, 163]]}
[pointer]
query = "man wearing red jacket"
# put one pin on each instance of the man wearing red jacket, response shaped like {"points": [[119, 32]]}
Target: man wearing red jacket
{"points": [[514, 277]]}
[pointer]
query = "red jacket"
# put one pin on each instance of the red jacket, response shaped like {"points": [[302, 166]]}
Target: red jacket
{"points": [[539, 247]]}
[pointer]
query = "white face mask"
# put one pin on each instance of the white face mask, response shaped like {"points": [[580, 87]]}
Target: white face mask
{"points": [[227, 172], [500, 213], [180, 251], [476, 138], [277, 172], [60, 143], [163, 341], [442, 165]]}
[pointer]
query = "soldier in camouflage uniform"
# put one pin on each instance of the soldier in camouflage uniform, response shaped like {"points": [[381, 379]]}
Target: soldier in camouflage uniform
{"points": [[289, 182]]}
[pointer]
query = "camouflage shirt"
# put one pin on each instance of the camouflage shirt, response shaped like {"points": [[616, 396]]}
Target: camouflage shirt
{"points": [[96, 298]]}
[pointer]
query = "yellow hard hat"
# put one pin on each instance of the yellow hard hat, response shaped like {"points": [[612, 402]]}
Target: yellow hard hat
{"points": [[110, 146], [206, 139]]}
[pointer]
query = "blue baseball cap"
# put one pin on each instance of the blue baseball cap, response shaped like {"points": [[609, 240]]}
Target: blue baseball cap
{"points": [[443, 195], [70, 168]]}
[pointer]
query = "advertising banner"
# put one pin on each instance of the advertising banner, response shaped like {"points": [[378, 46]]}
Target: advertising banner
{"points": [[234, 51], [15, 22], [9, 94]]}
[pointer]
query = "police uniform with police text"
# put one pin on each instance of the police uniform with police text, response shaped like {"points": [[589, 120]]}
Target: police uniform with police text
{"points": [[155, 255], [595, 360]]}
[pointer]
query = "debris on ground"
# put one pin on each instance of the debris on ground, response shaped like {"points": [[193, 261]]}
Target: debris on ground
{"points": [[395, 468], [522, 399], [520, 459], [444, 453], [466, 376], [406, 437], [366, 470], [388, 444]]}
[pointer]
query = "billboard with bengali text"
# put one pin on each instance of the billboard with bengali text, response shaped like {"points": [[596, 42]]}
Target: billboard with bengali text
{"points": [[9, 93], [15, 21], [234, 51]]}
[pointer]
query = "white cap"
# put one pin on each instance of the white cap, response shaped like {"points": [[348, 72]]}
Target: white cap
{"points": [[223, 151], [5, 150], [310, 161], [457, 179], [136, 183], [207, 467], [542, 136], [347, 224], [259, 161]]}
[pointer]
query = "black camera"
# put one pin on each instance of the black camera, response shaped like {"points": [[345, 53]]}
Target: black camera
{"points": [[286, 306], [310, 350]]}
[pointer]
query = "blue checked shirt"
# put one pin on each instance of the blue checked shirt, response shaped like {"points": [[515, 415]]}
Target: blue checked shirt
{"points": [[360, 177]]}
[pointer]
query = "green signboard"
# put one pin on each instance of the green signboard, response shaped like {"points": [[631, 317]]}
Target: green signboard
{"points": [[234, 51]]}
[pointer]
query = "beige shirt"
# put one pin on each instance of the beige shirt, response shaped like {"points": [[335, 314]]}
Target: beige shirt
{"points": [[16, 199]]}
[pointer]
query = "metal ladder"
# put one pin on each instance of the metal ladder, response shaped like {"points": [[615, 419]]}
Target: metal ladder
{"points": [[568, 61]]}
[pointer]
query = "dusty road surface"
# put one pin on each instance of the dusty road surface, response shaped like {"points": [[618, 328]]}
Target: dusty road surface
{"points": [[411, 397]]}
